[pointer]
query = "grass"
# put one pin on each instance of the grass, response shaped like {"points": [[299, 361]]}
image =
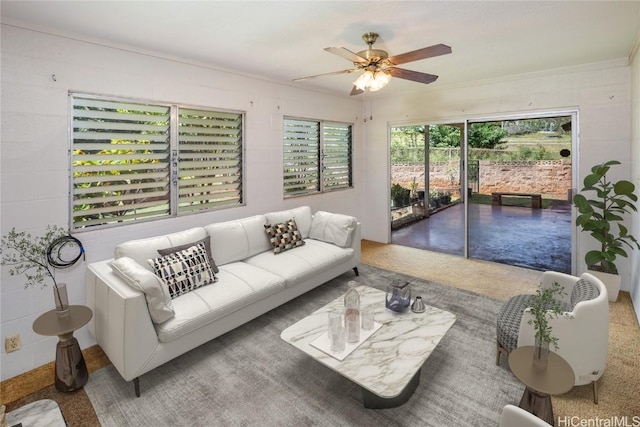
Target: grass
{"points": [[522, 202]]}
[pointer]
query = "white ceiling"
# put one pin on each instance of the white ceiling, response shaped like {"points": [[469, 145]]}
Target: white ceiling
{"points": [[283, 40]]}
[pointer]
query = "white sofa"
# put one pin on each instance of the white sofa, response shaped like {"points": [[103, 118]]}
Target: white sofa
{"points": [[140, 327]]}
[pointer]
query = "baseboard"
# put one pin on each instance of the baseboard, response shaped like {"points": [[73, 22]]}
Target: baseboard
{"points": [[29, 382]]}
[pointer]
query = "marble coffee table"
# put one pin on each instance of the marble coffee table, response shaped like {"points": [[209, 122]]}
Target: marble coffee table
{"points": [[387, 365]]}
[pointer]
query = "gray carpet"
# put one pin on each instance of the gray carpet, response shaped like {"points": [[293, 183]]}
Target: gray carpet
{"points": [[250, 377]]}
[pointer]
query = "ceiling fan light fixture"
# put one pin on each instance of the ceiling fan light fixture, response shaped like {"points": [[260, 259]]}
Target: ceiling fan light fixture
{"points": [[372, 81]]}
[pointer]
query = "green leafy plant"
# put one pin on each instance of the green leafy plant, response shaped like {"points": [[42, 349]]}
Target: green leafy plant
{"points": [[28, 255], [400, 195], [599, 214], [545, 305], [413, 187]]}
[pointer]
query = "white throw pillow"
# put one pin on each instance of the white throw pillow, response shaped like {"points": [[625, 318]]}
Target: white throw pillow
{"points": [[155, 292], [333, 228]]}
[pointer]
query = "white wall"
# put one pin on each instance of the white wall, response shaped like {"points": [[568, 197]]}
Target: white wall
{"points": [[35, 141], [600, 92], [635, 173]]}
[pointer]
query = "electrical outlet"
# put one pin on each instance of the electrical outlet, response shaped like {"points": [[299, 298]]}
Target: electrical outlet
{"points": [[12, 343]]}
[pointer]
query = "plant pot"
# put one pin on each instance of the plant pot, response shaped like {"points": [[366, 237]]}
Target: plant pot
{"points": [[611, 282]]}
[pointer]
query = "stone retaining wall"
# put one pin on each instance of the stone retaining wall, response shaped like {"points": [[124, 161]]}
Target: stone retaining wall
{"points": [[551, 178]]}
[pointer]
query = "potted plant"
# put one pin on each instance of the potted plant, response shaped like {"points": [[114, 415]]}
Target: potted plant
{"points": [[399, 196], [544, 305], [28, 255], [413, 188], [602, 216]]}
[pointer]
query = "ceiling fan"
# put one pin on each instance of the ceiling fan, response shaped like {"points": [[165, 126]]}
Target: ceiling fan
{"points": [[379, 67]]}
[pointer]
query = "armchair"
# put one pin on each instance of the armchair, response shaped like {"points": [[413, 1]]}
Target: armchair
{"points": [[583, 333], [513, 416]]}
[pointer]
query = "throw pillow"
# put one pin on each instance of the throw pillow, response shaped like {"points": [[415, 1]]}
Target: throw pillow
{"points": [[185, 270], [284, 236], [155, 292], [207, 245], [333, 228]]}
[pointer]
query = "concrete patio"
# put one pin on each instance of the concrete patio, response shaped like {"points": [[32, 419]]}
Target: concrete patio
{"points": [[539, 239]]}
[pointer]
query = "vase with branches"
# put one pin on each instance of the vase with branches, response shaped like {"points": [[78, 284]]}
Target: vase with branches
{"points": [[543, 306], [27, 255]]}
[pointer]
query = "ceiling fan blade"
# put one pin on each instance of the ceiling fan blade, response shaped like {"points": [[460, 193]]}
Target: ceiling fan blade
{"points": [[412, 75], [326, 74], [424, 53], [346, 54], [355, 91]]}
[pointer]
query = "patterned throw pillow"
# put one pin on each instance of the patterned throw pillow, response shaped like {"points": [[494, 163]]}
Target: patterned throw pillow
{"points": [[207, 246], [284, 236], [185, 270]]}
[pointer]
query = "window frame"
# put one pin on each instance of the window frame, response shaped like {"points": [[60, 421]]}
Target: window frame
{"points": [[172, 153], [322, 187]]}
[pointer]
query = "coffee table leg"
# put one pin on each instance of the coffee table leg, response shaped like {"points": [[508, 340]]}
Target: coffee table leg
{"points": [[373, 401], [539, 404]]}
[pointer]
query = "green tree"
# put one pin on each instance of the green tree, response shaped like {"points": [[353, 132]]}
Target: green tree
{"points": [[444, 136], [485, 135]]}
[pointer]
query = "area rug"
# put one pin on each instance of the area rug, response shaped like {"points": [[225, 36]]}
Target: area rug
{"points": [[249, 376]]}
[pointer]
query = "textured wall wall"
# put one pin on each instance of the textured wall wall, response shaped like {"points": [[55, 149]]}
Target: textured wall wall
{"points": [[551, 178], [35, 154]]}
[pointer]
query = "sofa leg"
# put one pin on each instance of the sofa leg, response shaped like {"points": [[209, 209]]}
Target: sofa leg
{"points": [[355, 270], [594, 386], [136, 386]]}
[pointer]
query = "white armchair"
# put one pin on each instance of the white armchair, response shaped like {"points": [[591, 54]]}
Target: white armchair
{"points": [[513, 416], [583, 335]]}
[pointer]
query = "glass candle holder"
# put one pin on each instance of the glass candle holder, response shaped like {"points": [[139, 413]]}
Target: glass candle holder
{"points": [[398, 296]]}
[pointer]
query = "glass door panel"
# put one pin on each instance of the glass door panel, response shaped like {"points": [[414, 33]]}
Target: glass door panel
{"points": [[519, 182], [435, 218]]}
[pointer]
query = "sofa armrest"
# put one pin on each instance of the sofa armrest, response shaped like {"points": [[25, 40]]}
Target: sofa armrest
{"points": [[356, 242], [121, 323]]}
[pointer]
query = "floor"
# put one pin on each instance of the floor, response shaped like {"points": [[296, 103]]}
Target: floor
{"points": [[539, 239]]}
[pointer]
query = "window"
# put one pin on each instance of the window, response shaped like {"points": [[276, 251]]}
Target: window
{"points": [[317, 156], [138, 161]]}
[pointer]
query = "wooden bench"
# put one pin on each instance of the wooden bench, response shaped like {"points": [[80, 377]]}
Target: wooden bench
{"points": [[536, 199]]}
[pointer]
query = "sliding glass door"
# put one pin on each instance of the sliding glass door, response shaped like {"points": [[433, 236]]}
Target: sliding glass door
{"points": [[520, 180], [497, 190]]}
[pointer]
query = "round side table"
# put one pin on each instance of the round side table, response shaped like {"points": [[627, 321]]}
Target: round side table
{"points": [[557, 378], [71, 369]]}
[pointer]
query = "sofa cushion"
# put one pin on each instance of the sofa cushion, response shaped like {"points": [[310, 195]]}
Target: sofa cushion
{"points": [[301, 214], [283, 236], [185, 270], [207, 246], [333, 228], [141, 250], [238, 286], [304, 262], [236, 240], [155, 292]]}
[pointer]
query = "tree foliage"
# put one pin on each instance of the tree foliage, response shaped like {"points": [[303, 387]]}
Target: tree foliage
{"points": [[485, 135]]}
